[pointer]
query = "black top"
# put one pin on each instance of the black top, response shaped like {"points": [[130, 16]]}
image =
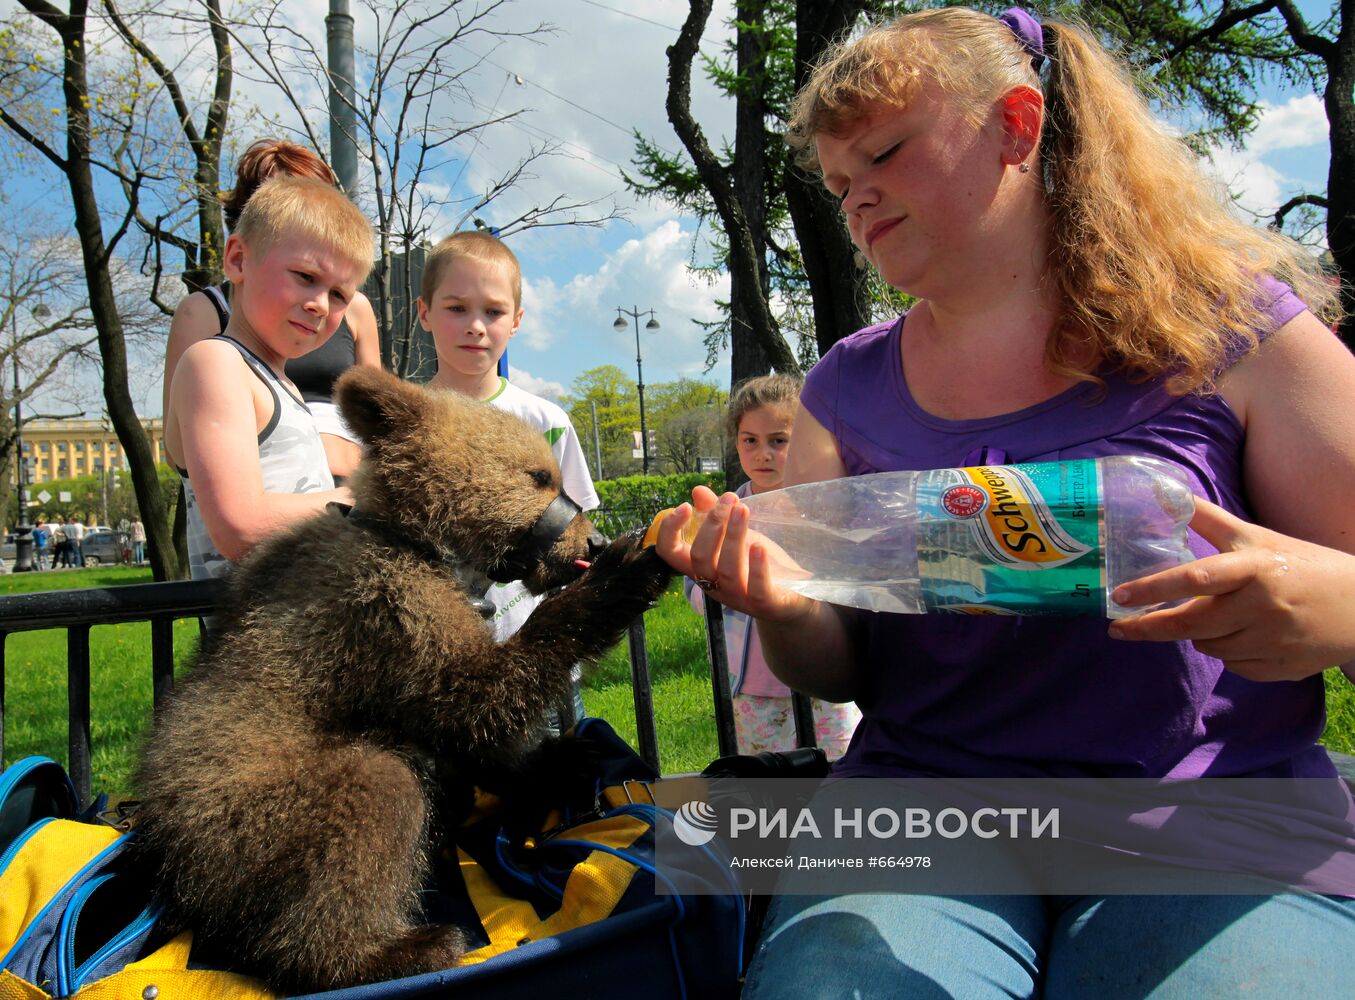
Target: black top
{"points": [[314, 373]]}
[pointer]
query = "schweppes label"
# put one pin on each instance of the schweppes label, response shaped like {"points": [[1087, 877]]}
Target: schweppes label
{"points": [[1016, 525], [1026, 539]]}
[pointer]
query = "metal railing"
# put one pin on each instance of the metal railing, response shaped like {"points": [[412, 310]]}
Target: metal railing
{"points": [[77, 611], [161, 604]]}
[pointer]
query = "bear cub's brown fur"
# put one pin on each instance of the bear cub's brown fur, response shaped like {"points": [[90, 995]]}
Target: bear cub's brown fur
{"points": [[286, 796]]}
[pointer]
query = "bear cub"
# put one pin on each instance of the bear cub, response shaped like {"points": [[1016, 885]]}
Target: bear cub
{"points": [[288, 786]]}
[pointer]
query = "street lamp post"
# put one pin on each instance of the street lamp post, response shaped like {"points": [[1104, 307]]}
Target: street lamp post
{"points": [[23, 533], [651, 326]]}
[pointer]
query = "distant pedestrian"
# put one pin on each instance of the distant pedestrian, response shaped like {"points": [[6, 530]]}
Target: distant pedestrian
{"points": [[61, 551], [75, 536], [138, 542], [41, 536]]}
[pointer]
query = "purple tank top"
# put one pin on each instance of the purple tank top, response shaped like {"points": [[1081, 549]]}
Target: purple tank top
{"points": [[1008, 697]]}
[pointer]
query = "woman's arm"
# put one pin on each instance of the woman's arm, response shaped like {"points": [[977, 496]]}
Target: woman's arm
{"points": [[1278, 602], [810, 645], [362, 324], [195, 319]]}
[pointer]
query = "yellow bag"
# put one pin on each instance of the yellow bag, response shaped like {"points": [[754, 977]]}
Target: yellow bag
{"points": [[571, 911], [60, 882]]}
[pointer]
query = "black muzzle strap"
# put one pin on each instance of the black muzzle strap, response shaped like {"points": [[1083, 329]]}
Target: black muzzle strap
{"points": [[523, 557]]}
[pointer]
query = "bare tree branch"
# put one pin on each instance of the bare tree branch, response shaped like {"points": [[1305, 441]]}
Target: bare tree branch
{"points": [[1304, 199]]}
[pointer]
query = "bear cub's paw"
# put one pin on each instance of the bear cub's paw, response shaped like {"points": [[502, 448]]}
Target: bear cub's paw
{"points": [[626, 571]]}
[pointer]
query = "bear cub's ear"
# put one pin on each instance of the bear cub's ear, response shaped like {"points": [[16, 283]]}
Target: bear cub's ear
{"points": [[377, 404]]}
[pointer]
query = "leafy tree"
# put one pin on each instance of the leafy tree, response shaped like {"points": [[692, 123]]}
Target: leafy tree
{"points": [[682, 417], [92, 132], [686, 419], [91, 496], [773, 225], [687, 437], [610, 394], [1212, 56]]}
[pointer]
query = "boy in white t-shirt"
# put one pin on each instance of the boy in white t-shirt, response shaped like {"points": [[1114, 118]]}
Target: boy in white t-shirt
{"points": [[471, 302]]}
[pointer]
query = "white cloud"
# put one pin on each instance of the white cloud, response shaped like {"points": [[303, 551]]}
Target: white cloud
{"points": [[1262, 175], [1298, 122], [536, 386], [1257, 187], [540, 301], [647, 272]]}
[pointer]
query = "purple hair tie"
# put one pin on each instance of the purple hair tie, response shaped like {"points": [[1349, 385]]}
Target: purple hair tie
{"points": [[1027, 31]]}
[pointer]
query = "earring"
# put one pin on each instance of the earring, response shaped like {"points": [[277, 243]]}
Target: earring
{"points": [[1024, 168]]}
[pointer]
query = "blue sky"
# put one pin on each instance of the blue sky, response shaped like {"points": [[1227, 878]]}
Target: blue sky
{"points": [[600, 75]]}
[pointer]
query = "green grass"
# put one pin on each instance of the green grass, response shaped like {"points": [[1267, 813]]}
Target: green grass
{"points": [[1340, 732], [69, 579], [120, 673], [120, 679], [676, 640]]}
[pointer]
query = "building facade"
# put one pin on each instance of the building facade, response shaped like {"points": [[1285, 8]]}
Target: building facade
{"points": [[63, 449]]}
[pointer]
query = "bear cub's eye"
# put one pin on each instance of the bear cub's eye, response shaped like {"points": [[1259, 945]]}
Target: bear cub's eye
{"points": [[540, 476]]}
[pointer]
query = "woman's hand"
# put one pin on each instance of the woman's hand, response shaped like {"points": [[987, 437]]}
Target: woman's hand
{"points": [[1271, 607], [725, 562]]}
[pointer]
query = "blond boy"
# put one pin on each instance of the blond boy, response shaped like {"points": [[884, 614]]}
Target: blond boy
{"points": [[471, 302], [253, 460]]}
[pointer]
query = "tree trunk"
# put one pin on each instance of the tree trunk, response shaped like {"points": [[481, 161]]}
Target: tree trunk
{"points": [[747, 261], [748, 176], [838, 287], [179, 529], [207, 156], [1339, 99], [102, 300], [8, 455]]}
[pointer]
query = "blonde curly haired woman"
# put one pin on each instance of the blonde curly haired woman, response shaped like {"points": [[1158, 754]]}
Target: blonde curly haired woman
{"points": [[1082, 291]]}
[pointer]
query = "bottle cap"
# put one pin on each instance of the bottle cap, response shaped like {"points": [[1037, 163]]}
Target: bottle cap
{"points": [[652, 532]]}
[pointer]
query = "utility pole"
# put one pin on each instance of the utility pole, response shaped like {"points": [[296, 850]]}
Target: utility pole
{"points": [[597, 445], [343, 117]]}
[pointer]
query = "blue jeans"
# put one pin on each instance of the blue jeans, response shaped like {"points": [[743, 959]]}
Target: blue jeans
{"points": [[974, 947]]}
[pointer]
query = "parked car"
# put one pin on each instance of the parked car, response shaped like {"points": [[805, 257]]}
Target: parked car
{"points": [[102, 547]]}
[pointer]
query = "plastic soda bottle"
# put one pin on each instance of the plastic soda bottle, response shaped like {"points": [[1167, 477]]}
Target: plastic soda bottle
{"points": [[1045, 538]]}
